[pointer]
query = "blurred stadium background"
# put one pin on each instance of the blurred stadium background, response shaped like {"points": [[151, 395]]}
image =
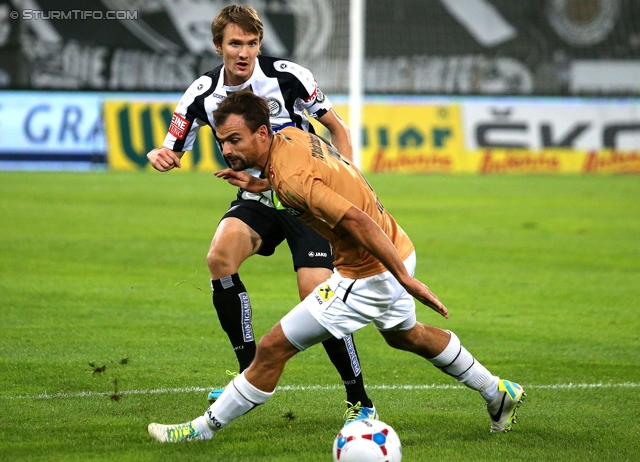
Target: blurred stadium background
{"points": [[526, 86]]}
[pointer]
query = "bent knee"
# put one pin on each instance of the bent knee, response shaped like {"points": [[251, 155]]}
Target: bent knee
{"points": [[218, 257], [275, 346], [222, 263], [266, 343]]}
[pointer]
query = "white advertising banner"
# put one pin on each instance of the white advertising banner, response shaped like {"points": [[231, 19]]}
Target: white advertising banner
{"points": [[51, 130], [538, 124], [51, 122]]}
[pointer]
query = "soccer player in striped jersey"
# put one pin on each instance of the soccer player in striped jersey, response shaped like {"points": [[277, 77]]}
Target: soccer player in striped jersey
{"points": [[252, 225]]}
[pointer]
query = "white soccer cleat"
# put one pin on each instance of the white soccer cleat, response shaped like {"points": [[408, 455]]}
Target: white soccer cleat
{"points": [[357, 411], [502, 410], [174, 433]]}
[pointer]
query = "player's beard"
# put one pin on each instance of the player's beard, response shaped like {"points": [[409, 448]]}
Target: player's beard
{"points": [[246, 156], [236, 163]]}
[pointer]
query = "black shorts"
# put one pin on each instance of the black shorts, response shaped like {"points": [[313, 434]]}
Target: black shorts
{"points": [[308, 248]]}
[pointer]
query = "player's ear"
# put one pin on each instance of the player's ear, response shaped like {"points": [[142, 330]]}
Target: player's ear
{"points": [[263, 132]]}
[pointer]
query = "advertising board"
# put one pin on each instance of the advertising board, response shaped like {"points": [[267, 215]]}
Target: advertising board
{"points": [[83, 131], [551, 135], [135, 128], [51, 130]]}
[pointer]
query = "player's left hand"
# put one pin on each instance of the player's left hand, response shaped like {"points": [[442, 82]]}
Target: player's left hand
{"points": [[243, 180], [422, 293]]}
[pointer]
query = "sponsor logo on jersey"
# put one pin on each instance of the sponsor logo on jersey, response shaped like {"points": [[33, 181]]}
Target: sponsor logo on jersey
{"points": [[294, 199], [247, 328], [215, 95], [319, 96], [312, 95], [325, 292], [274, 106], [178, 127], [280, 206]]}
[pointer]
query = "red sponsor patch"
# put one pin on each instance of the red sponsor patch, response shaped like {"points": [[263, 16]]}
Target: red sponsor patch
{"points": [[178, 127], [313, 94]]}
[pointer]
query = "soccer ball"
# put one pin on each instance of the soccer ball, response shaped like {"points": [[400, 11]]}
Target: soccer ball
{"points": [[367, 440]]}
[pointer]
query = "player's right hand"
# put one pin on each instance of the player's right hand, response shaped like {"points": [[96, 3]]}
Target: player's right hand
{"points": [[243, 180], [164, 159]]}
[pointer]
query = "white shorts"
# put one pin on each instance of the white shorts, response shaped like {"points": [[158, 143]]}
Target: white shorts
{"points": [[340, 306]]}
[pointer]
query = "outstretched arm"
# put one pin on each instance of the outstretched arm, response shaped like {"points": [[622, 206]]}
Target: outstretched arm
{"points": [[164, 159], [371, 237], [243, 180]]}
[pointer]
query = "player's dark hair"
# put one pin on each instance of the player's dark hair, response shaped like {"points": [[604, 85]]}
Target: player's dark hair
{"points": [[253, 109], [243, 16]]}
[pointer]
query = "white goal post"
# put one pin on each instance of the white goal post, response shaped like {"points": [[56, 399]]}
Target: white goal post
{"points": [[356, 80]]}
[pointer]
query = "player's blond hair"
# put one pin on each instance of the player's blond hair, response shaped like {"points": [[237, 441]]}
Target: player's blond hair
{"points": [[243, 16]]}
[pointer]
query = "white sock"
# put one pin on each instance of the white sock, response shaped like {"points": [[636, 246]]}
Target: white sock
{"points": [[490, 391], [456, 361], [201, 425], [238, 398]]}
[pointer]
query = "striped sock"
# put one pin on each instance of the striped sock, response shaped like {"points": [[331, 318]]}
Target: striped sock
{"points": [[456, 361]]}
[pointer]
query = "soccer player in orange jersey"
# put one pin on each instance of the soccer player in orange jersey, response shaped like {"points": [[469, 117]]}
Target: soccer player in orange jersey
{"points": [[373, 278]]}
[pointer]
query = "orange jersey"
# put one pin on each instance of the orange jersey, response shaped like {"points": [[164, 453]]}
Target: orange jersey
{"points": [[311, 180]]}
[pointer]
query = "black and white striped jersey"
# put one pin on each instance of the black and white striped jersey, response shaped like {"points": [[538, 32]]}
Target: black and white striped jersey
{"points": [[289, 89]]}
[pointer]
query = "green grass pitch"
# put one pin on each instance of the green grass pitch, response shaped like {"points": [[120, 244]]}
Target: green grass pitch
{"points": [[106, 320]]}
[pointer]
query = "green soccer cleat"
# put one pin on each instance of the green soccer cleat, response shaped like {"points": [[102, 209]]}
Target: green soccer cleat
{"points": [[502, 410], [173, 433], [358, 412]]}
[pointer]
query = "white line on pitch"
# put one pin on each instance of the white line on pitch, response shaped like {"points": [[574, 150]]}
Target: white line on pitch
{"points": [[84, 394]]}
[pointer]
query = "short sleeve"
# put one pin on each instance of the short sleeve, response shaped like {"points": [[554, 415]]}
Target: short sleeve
{"points": [[317, 198], [327, 205], [186, 120], [311, 98]]}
